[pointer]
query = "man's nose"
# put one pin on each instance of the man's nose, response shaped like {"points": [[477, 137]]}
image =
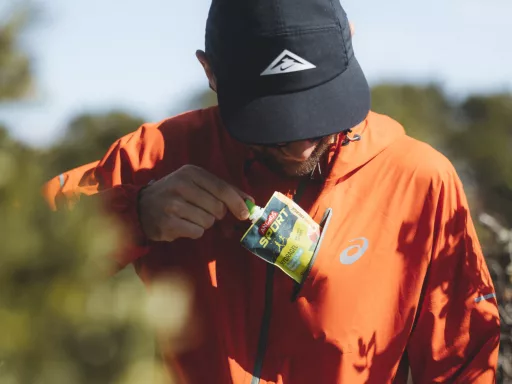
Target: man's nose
{"points": [[300, 150]]}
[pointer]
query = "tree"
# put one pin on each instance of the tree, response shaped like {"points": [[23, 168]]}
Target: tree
{"points": [[62, 320], [88, 137], [425, 111], [15, 67], [485, 144]]}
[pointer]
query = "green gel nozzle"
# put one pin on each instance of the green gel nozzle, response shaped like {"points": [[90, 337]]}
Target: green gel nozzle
{"points": [[250, 205], [254, 211]]}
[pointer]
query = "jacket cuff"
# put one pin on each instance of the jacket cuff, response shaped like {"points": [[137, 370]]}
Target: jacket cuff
{"points": [[121, 202]]}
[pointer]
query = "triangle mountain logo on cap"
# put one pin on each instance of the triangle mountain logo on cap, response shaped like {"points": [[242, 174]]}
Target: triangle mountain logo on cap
{"points": [[287, 62]]}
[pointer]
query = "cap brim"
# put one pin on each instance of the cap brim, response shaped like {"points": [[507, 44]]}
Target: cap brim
{"points": [[332, 107]]}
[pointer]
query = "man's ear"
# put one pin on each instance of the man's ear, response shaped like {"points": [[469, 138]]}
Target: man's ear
{"points": [[201, 56]]}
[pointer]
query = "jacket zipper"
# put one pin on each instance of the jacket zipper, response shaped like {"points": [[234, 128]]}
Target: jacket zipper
{"points": [[267, 312], [265, 324]]}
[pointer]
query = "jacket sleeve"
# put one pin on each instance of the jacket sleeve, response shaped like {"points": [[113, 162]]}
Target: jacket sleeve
{"points": [[115, 182], [456, 334]]}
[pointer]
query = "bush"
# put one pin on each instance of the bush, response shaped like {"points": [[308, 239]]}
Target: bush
{"points": [[62, 319]]}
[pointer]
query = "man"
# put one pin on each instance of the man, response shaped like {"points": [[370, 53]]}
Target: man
{"points": [[398, 281]]}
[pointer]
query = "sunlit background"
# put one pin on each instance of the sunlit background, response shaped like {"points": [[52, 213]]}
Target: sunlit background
{"points": [[77, 75], [139, 55]]}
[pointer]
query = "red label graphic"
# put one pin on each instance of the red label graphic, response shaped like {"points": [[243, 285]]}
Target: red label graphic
{"points": [[313, 236], [266, 225]]}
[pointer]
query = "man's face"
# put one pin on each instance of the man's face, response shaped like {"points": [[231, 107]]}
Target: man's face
{"points": [[291, 160], [295, 159]]}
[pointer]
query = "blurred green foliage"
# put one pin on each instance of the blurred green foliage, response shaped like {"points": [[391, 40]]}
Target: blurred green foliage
{"points": [[485, 144], [424, 111], [15, 67], [63, 319], [88, 137]]}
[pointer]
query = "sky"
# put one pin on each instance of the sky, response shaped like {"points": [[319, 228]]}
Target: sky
{"points": [[139, 56]]}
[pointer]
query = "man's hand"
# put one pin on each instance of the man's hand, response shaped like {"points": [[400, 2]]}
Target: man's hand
{"points": [[187, 202]]}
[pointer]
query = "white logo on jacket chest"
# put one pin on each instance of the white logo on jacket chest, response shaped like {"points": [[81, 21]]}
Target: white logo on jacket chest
{"points": [[353, 253]]}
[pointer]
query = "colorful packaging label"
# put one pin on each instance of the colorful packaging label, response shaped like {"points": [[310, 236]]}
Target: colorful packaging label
{"points": [[284, 235]]}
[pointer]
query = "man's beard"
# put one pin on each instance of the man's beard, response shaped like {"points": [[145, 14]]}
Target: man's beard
{"points": [[291, 169]]}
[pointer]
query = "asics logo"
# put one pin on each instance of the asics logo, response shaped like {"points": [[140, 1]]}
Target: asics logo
{"points": [[353, 253]]}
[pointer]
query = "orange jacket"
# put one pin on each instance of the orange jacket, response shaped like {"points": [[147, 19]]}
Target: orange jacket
{"points": [[400, 280]]}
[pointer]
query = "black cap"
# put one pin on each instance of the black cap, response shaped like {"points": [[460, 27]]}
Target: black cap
{"points": [[285, 69]]}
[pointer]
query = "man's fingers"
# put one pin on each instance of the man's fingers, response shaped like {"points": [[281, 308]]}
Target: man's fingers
{"points": [[229, 195], [191, 213], [205, 200], [177, 227]]}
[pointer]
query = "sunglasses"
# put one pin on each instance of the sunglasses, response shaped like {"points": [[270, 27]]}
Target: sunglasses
{"points": [[282, 145], [347, 140]]}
